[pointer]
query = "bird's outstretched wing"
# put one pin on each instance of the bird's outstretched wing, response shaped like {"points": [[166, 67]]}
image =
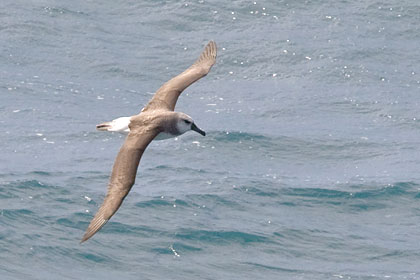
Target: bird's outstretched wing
{"points": [[122, 177], [167, 95]]}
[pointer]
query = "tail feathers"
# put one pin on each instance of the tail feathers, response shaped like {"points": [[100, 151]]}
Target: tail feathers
{"points": [[119, 125], [104, 126]]}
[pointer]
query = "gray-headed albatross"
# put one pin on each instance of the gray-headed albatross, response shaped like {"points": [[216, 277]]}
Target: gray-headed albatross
{"points": [[156, 121]]}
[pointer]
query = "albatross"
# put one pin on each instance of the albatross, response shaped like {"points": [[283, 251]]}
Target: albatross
{"points": [[157, 120]]}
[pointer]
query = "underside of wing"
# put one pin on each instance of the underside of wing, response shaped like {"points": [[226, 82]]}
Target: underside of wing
{"points": [[167, 95], [122, 178], [99, 220]]}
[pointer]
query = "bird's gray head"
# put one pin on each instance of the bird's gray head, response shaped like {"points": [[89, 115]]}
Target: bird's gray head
{"points": [[185, 123]]}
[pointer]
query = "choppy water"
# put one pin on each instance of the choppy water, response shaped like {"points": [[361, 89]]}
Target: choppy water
{"points": [[310, 169]]}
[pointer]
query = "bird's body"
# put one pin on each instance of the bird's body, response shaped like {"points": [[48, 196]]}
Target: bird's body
{"points": [[121, 125], [156, 121]]}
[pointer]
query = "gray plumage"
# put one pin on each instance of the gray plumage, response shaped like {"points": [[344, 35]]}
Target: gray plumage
{"points": [[157, 118]]}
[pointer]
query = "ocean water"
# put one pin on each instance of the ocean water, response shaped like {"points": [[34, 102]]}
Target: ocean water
{"points": [[311, 164]]}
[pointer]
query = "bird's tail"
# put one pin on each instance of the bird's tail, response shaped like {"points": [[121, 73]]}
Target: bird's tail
{"points": [[104, 126], [119, 125]]}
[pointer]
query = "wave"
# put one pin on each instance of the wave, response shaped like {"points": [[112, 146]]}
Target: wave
{"points": [[153, 203], [387, 191], [176, 247], [297, 148], [220, 237]]}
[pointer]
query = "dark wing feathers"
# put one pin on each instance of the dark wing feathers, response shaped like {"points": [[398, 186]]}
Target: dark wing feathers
{"points": [[122, 177], [167, 95]]}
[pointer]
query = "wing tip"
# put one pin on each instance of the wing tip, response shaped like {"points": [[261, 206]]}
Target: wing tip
{"points": [[212, 43], [211, 49], [95, 225], [208, 56]]}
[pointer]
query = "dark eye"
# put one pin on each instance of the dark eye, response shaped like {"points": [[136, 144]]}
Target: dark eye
{"points": [[187, 121]]}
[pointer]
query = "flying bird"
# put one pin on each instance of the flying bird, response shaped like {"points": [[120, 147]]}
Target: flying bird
{"points": [[155, 121]]}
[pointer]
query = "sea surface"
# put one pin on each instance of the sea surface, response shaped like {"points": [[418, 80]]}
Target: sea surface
{"points": [[311, 164]]}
